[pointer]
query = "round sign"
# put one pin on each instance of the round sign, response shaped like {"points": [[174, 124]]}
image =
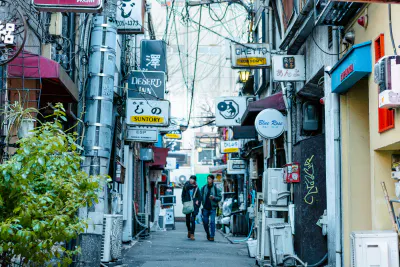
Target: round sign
{"points": [[270, 123]]}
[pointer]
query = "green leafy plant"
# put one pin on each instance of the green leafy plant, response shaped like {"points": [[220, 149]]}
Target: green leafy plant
{"points": [[41, 189]]}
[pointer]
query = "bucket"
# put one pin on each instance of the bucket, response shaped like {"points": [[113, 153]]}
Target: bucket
{"points": [[252, 248]]}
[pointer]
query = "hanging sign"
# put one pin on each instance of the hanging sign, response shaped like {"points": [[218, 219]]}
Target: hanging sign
{"points": [[288, 68], [146, 84], [153, 55], [142, 134], [130, 16], [147, 112], [174, 135], [81, 6], [229, 110], [250, 56], [230, 147], [236, 166], [173, 145], [270, 123]]}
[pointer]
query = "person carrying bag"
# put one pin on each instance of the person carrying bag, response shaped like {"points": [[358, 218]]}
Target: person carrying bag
{"points": [[191, 203]]}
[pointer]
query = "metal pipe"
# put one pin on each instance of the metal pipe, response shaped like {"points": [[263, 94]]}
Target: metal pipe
{"points": [[71, 30]]}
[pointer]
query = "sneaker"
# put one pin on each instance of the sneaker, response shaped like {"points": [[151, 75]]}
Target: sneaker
{"points": [[192, 237], [211, 239]]}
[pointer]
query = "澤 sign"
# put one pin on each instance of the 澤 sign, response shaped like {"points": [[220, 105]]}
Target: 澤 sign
{"points": [[230, 146], [248, 56], [174, 135], [147, 112], [153, 55], [270, 123], [130, 16], [142, 134], [229, 110], [83, 6], [146, 85], [288, 68]]}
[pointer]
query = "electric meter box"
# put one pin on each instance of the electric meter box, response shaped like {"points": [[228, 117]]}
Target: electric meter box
{"points": [[291, 173], [387, 74]]}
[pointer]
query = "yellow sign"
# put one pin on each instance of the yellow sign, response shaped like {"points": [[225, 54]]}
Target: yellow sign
{"points": [[251, 61], [231, 150], [173, 136], [147, 119]]}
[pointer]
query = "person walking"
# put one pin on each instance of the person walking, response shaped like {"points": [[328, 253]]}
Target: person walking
{"points": [[211, 195], [191, 192]]}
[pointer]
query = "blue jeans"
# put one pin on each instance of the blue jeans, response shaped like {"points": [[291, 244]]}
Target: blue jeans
{"points": [[206, 221]]}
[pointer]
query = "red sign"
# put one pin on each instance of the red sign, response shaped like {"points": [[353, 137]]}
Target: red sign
{"points": [[84, 6], [346, 72]]}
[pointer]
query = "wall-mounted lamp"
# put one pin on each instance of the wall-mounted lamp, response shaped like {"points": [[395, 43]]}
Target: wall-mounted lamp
{"points": [[349, 37], [244, 75], [199, 149]]}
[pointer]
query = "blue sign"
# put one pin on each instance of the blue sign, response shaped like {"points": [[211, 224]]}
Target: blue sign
{"points": [[153, 55], [353, 66]]}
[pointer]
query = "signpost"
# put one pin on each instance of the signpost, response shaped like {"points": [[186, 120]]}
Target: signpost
{"points": [[148, 112], [153, 55], [229, 110], [130, 16], [288, 68], [250, 56], [270, 123], [146, 85], [142, 134], [230, 147], [84, 6]]}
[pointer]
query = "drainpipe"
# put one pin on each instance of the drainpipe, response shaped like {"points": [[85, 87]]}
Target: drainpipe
{"points": [[71, 30], [98, 128], [333, 167]]}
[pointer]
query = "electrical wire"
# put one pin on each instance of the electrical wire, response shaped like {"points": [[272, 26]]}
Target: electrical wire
{"points": [[195, 69], [217, 19], [322, 50], [206, 124]]}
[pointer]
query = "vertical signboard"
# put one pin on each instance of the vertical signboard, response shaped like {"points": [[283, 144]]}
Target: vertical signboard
{"points": [[130, 16], [146, 85], [153, 55]]}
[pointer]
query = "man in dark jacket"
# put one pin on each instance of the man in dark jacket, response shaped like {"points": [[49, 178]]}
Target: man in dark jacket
{"points": [[190, 192], [211, 195]]}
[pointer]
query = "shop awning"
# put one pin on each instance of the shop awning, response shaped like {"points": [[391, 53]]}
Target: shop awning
{"points": [[57, 86], [218, 169], [274, 101], [353, 66], [160, 158]]}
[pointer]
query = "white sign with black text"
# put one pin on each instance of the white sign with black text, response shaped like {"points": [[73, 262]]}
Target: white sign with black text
{"points": [[236, 166], [229, 110], [230, 146], [270, 123], [129, 16], [171, 164], [147, 112], [142, 134], [288, 68]]}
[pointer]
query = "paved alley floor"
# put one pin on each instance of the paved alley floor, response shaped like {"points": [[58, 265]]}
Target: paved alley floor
{"points": [[173, 249]]}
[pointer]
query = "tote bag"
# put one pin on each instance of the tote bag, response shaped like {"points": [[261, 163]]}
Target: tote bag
{"points": [[188, 206]]}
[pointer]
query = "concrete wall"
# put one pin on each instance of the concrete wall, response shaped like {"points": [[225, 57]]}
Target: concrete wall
{"points": [[356, 201]]}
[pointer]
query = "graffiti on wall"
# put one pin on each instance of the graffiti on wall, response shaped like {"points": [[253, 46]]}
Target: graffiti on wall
{"points": [[309, 180]]}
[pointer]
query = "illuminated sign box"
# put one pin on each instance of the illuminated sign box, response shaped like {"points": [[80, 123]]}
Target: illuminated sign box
{"points": [[84, 6]]}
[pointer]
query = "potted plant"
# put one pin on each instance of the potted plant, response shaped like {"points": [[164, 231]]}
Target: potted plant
{"points": [[18, 119]]}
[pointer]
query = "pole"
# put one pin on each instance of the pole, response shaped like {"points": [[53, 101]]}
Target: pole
{"points": [[98, 138]]}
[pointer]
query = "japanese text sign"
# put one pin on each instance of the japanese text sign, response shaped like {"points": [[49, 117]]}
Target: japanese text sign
{"points": [[153, 55], [147, 112], [230, 146], [288, 68], [130, 16]]}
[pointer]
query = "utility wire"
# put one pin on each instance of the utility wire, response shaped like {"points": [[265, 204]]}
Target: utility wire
{"points": [[195, 67], [322, 50]]}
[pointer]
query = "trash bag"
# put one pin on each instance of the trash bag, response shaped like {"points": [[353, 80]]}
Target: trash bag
{"points": [[227, 207]]}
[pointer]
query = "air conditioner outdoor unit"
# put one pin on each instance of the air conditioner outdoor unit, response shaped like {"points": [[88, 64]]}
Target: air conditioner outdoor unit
{"points": [[374, 249], [111, 248], [143, 219], [281, 244], [386, 73]]}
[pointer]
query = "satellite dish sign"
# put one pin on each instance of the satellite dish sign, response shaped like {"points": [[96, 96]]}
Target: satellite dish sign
{"points": [[270, 123]]}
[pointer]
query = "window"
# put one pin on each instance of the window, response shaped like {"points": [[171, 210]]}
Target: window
{"points": [[205, 157], [385, 116]]}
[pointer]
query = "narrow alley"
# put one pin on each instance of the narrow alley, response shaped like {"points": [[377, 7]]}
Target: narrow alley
{"points": [[172, 248]]}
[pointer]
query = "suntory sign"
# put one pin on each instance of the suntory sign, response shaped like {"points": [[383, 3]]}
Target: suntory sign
{"points": [[147, 112], [248, 56], [82, 6]]}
